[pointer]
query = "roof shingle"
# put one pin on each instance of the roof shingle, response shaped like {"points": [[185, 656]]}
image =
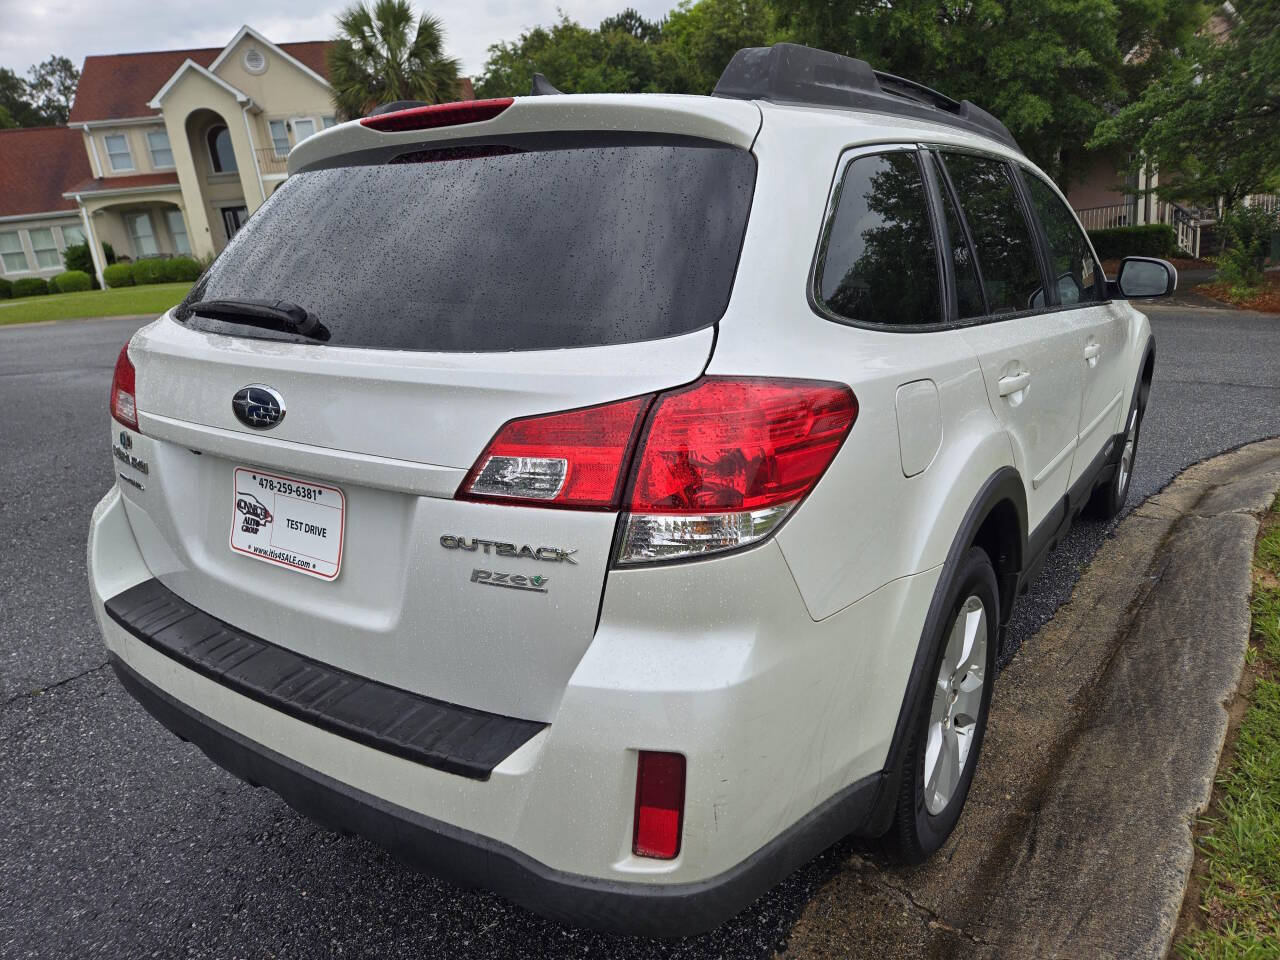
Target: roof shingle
{"points": [[119, 86], [38, 165], [96, 184]]}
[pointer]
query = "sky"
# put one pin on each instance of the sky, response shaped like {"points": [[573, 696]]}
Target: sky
{"points": [[31, 30]]}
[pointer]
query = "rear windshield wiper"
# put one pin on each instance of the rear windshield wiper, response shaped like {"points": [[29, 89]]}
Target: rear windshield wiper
{"points": [[279, 315]]}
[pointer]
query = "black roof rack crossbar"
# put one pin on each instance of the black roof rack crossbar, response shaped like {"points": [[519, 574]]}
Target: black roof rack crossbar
{"points": [[791, 73]]}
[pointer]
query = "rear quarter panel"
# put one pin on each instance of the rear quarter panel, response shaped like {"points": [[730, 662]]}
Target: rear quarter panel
{"points": [[866, 523]]}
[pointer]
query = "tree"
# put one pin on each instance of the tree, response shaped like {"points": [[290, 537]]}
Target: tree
{"points": [[381, 55], [685, 53], [15, 103], [52, 88], [1210, 122], [702, 37], [622, 56], [1051, 70]]}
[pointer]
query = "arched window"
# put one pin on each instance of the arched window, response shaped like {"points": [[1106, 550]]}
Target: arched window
{"points": [[220, 152]]}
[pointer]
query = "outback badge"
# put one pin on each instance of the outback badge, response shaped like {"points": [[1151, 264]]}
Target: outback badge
{"points": [[501, 549]]}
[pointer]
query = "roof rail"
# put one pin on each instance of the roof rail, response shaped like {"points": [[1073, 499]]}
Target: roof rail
{"points": [[791, 73]]}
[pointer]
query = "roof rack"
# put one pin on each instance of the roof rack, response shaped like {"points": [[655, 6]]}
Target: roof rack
{"points": [[791, 73]]}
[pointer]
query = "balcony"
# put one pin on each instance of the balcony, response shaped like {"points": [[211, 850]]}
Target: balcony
{"points": [[270, 162]]}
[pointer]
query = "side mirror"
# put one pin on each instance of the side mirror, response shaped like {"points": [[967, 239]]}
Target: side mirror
{"points": [[1143, 277]]}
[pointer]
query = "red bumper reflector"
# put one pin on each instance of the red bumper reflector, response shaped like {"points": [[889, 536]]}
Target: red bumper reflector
{"points": [[439, 115], [659, 805]]}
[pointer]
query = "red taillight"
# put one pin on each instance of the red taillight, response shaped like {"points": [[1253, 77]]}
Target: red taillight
{"points": [[439, 115], [719, 464], [729, 445], [659, 805], [573, 459], [724, 461], [124, 401]]}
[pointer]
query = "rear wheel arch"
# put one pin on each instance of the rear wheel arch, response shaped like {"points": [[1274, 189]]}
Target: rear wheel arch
{"points": [[1148, 371], [1002, 535], [995, 520]]}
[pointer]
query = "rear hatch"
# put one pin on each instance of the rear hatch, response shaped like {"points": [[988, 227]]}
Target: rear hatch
{"points": [[463, 277]]}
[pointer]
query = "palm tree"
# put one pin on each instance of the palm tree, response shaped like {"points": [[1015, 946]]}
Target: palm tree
{"points": [[380, 56]]}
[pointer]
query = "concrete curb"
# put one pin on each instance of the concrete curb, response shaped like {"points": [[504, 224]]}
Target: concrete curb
{"points": [[1100, 754]]}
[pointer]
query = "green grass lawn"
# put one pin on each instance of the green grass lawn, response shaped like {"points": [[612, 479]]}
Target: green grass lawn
{"points": [[153, 298], [1240, 904]]}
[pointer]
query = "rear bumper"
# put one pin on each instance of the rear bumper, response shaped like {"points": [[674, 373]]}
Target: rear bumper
{"points": [[785, 723], [469, 859]]}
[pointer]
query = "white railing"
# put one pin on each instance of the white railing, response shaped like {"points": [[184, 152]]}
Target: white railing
{"points": [[1111, 215], [1186, 226], [1130, 213], [1269, 202]]}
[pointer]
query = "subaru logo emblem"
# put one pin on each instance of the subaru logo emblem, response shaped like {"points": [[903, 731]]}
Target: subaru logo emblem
{"points": [[258, 407]]}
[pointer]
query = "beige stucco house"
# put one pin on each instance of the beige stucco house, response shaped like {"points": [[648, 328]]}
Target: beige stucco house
{"points": [[185, 144], [165, 153]]}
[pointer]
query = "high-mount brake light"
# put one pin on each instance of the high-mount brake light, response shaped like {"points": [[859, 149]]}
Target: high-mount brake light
{"points": [[719, 464], [438, 115], [124, 401]]}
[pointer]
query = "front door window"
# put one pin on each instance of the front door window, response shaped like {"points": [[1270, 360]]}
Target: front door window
{"points": [[144, 239], [303, 128], [233, 219], [177, 230], [221, 155]]}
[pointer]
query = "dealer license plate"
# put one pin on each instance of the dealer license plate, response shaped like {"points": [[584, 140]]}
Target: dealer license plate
{"points": [[288, 521]]}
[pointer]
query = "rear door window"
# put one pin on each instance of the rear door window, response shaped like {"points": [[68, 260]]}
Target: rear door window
{"points": [[878, 262], [1006, 251], [498, 248], [969, 300], [1076, 274]]}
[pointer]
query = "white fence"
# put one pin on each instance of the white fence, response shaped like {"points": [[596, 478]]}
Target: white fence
{"points": [[1133, 213]]}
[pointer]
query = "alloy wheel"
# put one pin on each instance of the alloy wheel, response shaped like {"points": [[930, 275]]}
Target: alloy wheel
{"points": [[957, 703]]}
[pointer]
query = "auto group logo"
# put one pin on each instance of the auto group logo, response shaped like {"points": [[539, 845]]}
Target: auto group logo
{"points": [[253, 515]]}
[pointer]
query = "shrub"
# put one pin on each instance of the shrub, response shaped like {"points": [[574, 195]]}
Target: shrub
{"points": [[109, 252], [77, 257], [30, 287], [1247, 231], [1148, 240], [181, 269], [118, 275], [73, 281], [6, 289], [147, 271]]}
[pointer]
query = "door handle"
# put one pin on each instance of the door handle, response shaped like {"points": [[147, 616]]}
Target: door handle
{"points": [[1014, 383], [1091, 353]]}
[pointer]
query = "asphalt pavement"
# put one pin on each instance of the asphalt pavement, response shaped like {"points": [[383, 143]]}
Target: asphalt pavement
{"points": [[117, 840]]}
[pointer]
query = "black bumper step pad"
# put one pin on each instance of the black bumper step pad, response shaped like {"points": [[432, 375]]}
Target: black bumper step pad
{"points": [[442, 735]]}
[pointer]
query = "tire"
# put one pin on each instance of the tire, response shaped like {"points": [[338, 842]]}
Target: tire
{"points": [[1108, 498], [942, 755]]}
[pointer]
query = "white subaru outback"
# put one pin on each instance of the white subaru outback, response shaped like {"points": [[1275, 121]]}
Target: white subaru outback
{"points": [[611, 501]]}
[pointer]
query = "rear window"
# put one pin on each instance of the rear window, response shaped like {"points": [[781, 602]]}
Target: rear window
{"points": [[497, 248]]}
